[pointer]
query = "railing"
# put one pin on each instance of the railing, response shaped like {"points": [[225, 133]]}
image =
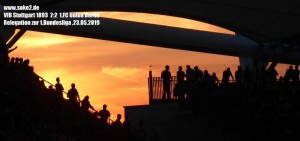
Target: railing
{"points": [[109, 120], [157, 88], [49, 82]]}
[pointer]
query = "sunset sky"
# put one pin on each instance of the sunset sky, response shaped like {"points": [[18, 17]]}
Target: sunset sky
{"points": [[113, 73]]}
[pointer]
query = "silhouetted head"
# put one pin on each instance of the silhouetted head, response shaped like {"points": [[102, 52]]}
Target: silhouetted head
{"points": [[21, 60], [73, 85], [291, 67], [228, 69], [167, 67], [196, 68], [50, 87], [26, 62], [12, 60], [86, 97], [17, 60], [57, 80], [104, 106], [205, 72], [180, 67], [119, 116], [188, 67], [213, 74]]}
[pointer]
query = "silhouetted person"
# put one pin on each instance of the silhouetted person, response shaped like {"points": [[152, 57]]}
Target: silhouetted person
{"points": [[59, 88], [166, 76], [198, 73], [190, 75], [295, 76], [272, 74], [42, 84], [239, 75], [117, 127], [226, 75], [117, 123], [21, 60], [51, 90], [17, 60], [26, 66], [85, 104], [104, 115], [180, 86], [73, 96], [12, 60], [180, 75], [205, 80], [288, 75], [215, 80]]}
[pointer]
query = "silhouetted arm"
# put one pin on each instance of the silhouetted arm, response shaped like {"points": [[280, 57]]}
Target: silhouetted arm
{"points": [[78, 97]]}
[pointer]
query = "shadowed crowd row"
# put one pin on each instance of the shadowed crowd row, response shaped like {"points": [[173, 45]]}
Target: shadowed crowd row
{"points": [[30, 111], [256, 91]]}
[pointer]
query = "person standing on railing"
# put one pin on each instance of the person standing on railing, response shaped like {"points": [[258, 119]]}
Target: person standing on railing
{"points": [[73, 96], [59, 88], [166, 76]]}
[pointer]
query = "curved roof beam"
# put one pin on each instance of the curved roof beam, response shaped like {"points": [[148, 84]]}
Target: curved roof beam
{"points": [[262, 21], [168, 37]]}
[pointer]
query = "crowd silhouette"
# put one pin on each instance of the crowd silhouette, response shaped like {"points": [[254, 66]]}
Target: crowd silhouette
{"points": [[255, 91], [31, 111]]}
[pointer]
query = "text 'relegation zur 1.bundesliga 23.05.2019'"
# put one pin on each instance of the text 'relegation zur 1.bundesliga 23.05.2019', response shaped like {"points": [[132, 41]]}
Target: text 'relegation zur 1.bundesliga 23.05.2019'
{"points": [[33, 15]]}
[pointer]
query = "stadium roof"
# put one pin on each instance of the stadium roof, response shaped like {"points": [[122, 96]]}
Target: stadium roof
{"points": [[271, 26], [259, 20]]}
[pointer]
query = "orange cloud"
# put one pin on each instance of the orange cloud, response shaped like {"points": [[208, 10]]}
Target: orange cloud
{"points": [[127, 74]]}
